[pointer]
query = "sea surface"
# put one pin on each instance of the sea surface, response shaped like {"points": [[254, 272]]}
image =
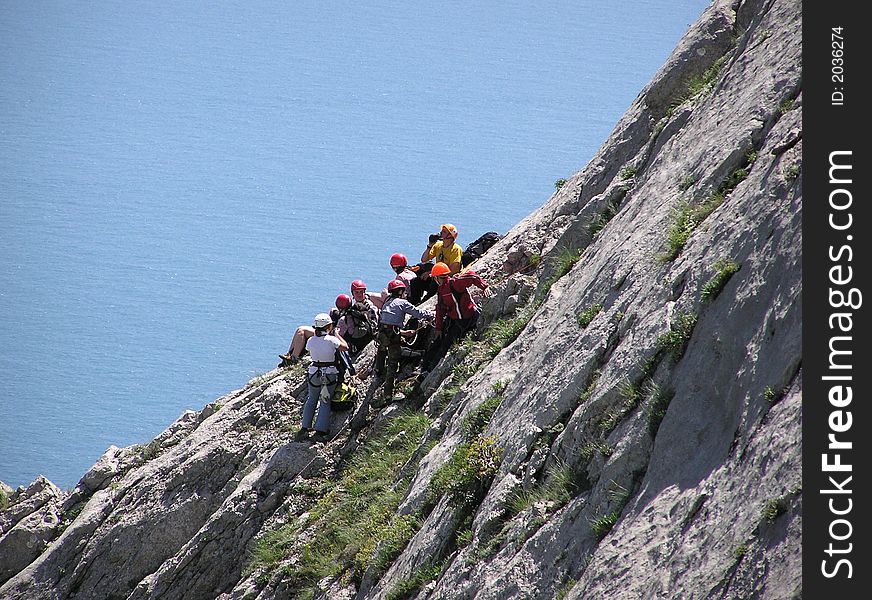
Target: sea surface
{"points": [[183, 183]]}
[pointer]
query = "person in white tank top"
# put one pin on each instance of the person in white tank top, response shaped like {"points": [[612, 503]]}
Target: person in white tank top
{"points": [[323, 375]]}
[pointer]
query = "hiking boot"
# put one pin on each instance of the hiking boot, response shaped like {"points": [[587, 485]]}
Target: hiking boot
{"points": [[302, 434], [321, 436], [288, 360]]}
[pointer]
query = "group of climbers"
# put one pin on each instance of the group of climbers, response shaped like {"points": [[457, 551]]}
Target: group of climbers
{"points": [[391, 318], [355, 318]]}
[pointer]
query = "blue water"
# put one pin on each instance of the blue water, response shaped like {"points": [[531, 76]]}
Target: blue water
{"points": [[182, 183]]}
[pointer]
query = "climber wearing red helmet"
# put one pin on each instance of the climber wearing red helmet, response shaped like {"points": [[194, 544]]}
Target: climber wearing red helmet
{"points": [[356, 322], [343, 301], [359, 293], [392, 319], [398, 261], [416, 286]]}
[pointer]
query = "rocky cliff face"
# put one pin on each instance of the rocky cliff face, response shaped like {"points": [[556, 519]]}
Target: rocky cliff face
{"points": [[625, 423]]}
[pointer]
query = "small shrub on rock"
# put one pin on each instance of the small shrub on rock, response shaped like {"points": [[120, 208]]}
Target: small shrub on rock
{"points": [[469, 471]]}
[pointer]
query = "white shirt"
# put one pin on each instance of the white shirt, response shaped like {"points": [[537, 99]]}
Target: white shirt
{"points": [[323, 349]]}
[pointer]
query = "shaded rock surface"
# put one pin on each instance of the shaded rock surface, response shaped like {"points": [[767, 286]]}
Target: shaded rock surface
{"points": [[656, 364]]}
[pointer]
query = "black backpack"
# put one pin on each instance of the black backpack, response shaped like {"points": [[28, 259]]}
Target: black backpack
{"points": [[479, 247], [363, 325]]}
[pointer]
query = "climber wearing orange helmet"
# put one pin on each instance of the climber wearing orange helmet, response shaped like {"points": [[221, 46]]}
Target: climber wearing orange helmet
{"points": [[443, 248], [392, 319], [456, 310]]}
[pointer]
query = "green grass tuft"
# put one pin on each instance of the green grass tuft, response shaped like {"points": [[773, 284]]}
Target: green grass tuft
{"points": [[408, 588], [619, 496], [150, 450], [490, 545], [773, 396], [591, 385], [739, 175], [70, 515], [477, 419], [505, 331], [725, 270], [773, 508], [649, 365], [464, 537], [730, 183], [686, 182], [686, 218], [604, 524], [500, 386], [587, 315], [678, 335], [588, 450], [558, 487], [447, 394], [565, 589], [559, 184], [659, 399], [547, 437], [698, 85], [630, 392], [598, 221], [468, 472], [388, 535], [465, 369], [564, 261], [629, 172]]}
